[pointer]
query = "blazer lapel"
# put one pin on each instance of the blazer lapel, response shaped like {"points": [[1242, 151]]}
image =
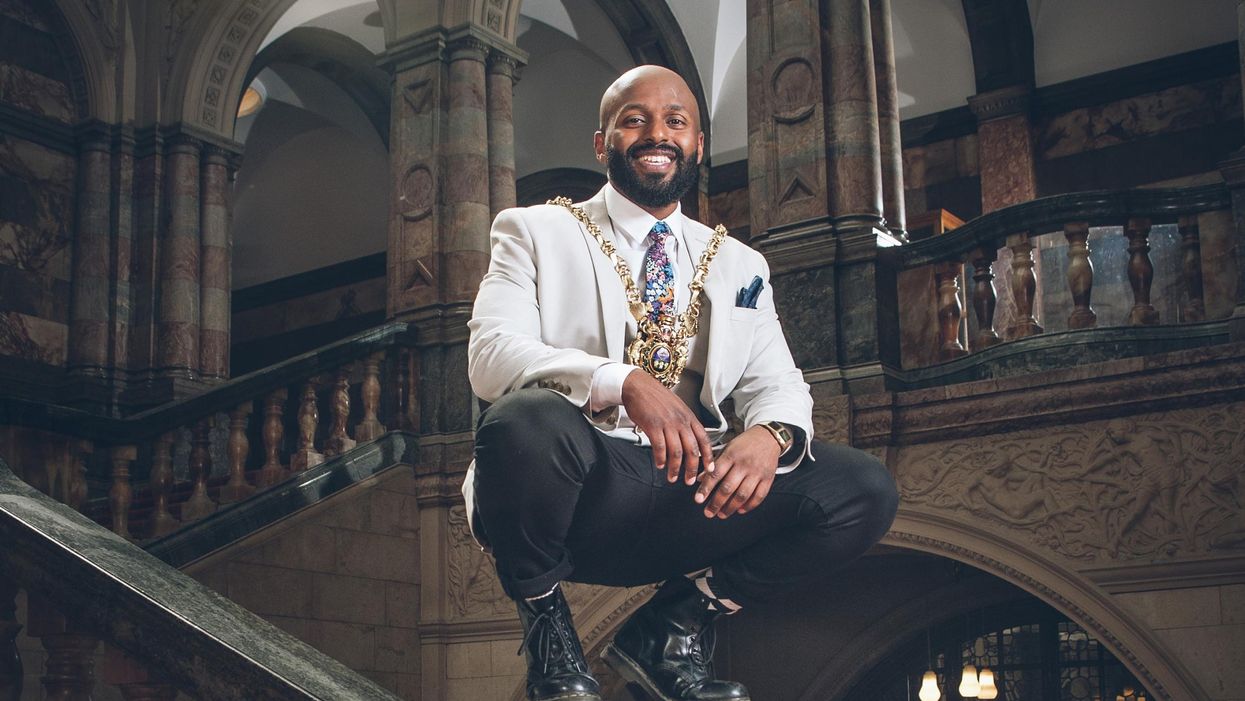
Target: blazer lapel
{"points": [[612, 296], [716, 302]]}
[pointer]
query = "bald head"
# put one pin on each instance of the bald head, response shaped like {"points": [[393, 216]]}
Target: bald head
{"points": [[647, 79]]}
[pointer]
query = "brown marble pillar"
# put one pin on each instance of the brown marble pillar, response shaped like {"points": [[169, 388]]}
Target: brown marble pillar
{"points": [[1233, 170], [214, 271], [465, 236], [122, 226], [145, 273], [177, 321], [1004, 147], [90, 289], [891, 143], [853, 141], [502, 75]]}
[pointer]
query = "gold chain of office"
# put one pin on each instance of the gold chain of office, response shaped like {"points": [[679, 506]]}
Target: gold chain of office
{"points": [[659, 351]]}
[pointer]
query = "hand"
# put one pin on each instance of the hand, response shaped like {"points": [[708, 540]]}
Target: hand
{"points": [[679, 441], [745, 472]]}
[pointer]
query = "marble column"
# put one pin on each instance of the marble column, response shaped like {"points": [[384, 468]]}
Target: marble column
{"points": [[177, 320], [148, 193], [853, 139], [90, 288], [502, 75], [214, 271], [122, 226], [891, 143], [465, 238], [1233, 169], [1007, 166]]}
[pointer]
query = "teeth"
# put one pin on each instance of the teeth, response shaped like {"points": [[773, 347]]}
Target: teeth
{"points": [[656, 160]]}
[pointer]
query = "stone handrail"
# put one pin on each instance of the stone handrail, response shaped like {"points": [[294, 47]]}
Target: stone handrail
{"points": [[98, 586]]}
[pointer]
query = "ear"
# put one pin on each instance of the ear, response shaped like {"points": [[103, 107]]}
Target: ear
{"points": [[700, 147], [598, 145]]}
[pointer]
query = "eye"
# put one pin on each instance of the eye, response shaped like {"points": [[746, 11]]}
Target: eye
{"points": [[633, 120], [676, 121]]}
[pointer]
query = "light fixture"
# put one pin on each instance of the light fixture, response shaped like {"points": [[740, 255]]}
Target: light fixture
{"points": [[986, 683], [929, 683], [253, 98], [969, 686]]}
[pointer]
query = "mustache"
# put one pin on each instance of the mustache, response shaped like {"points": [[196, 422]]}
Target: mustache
{"points": [[672, 150]]}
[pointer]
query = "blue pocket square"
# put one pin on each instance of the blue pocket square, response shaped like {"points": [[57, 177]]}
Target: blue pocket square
{"points": [[747, 296]]}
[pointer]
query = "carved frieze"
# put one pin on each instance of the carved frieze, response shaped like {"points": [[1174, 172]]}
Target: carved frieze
{"points": [[473, 586], [1160, 485]]}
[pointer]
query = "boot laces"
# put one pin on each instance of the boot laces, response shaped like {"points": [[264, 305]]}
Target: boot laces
{"points": [[553, 647]]}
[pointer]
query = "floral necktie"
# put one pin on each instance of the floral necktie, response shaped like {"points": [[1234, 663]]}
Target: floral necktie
{"points": [[659, 278]]}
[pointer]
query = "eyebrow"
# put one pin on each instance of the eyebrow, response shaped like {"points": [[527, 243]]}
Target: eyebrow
{"points": [[674, 107]]}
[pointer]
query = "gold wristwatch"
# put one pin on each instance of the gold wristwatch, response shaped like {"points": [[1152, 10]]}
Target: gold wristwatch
{"points": [[781, 433]]}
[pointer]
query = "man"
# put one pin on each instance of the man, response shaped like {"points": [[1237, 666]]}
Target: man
{"points": [[590, 469]]}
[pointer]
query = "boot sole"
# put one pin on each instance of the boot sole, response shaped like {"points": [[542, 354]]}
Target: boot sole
{"points": [[573, 697], [633, 673]]}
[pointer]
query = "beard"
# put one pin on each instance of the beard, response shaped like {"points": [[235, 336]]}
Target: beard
{"points": [[651, 190]]}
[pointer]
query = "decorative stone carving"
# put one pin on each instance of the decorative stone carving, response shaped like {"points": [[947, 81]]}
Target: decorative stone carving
{"points": [[795, 91], [473, 586], [1155, 486], [417, 192]]}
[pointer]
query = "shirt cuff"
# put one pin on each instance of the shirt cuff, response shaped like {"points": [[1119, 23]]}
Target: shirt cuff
{"points": [[607, 384]]}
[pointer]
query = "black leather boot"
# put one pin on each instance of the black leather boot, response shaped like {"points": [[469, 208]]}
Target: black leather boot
{"points": [[666, 647], [556, 670]]}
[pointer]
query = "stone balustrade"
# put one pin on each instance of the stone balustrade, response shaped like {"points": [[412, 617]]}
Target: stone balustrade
{"points": [[1009, 246]]}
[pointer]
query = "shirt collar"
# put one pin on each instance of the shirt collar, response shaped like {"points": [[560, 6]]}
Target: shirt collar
{"points": [[632, 223]]}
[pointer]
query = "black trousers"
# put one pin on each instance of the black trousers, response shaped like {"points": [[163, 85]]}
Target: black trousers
{"points": [[559, 500]]}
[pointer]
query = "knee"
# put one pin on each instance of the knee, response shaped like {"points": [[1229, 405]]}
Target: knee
{"points": [[874, 496], [524, 422]]}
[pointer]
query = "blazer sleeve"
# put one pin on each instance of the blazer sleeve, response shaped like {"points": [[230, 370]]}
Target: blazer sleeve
{"points": [[772, 388], [505, 351]]}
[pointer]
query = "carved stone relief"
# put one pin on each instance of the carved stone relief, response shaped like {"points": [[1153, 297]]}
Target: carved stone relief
{"points": [[473, 587], [417, 193], [795, 91], [1153, 486]]}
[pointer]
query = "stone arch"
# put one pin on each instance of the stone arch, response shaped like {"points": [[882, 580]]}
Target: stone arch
{"points": [[1001, 37], [1054, 582], [92, 46], [342, 60], [576, 183]]}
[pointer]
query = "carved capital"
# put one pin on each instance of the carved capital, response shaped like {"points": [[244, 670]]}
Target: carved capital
{"points": [[1004, 102]]}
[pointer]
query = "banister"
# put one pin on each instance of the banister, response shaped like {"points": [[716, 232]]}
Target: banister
{"points": [[150, 423], [1099, 208]]}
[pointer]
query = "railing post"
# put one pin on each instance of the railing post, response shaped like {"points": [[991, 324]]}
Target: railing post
{"points": [[950, 312], [1080, 275], [1024, 287], [370, 428], [69, 668], [121, 494], [10, 659], [274, 434], [985, 298], [1190, 242], [338, 442], [308, 418], [162, 522], [199, 504], [237, 488], [1140, 272]]}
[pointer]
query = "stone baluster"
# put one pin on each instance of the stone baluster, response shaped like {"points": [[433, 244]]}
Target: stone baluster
{"points": [[308, 418], [950, 312], [985, 298], [370, 428], [69, 670], [199, 504], [121, 494], [338, 442], [1024, 287], [237, 488], [162, 522], [1194, 308], [274, 435], [1140, 272], [1080, 275], [10, 659]]}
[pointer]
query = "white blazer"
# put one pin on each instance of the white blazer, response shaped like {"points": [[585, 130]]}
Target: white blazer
{"points": [[552, 309]]}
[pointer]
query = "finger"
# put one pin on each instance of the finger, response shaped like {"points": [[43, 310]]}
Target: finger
{"points": [[658, 441], [758, 496], [706, 448], [691, 455], [725, 490], [739, 498], [674, 454], [709, 480]]}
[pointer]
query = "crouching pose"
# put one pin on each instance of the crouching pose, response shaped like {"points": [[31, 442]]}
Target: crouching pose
{"points": [[605, 337]]}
